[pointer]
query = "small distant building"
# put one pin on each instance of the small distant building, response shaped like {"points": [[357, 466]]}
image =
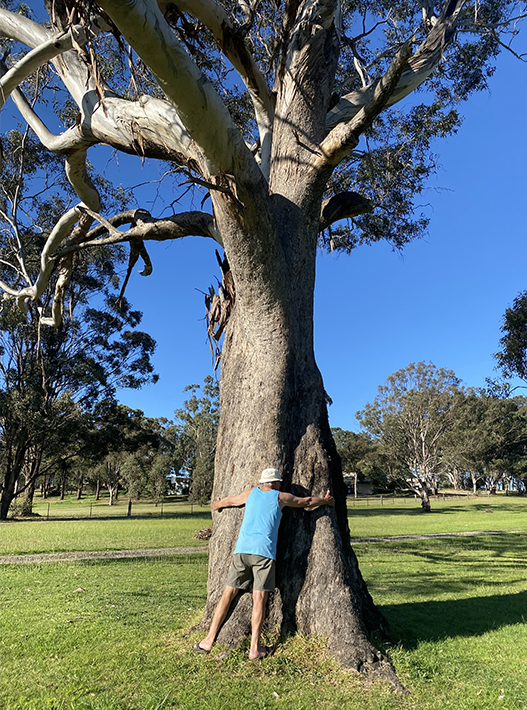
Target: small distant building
{"points": [[364, 488], [179, 485]]}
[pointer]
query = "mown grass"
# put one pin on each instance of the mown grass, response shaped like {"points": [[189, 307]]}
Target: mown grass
{"points": [[34, 536], [451, 514], [178, 526], [112, 635]]}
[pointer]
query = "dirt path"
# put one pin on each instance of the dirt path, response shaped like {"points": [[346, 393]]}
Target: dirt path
{"points": [[98, 555], [163, 552]]}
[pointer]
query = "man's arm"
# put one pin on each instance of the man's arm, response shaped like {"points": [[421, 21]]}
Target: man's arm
{"points": [[231, 501], [287, 500]]}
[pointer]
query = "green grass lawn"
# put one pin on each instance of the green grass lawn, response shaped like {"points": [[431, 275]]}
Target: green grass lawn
{"points": [[113, 634], [459, 514], [173, 530], [180, 522]]}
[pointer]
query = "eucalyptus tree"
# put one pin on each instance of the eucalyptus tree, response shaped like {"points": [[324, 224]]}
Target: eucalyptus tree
{"points": [[50, 377], [195, 437], [118, 440], [361, 457], [487, 441], [411, 417], [146, 469], [512, 357], [502, 443], [281, 111]]}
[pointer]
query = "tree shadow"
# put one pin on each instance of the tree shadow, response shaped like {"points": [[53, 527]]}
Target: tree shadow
{"points": [[454, 567], [413, 623], [413, 508]]}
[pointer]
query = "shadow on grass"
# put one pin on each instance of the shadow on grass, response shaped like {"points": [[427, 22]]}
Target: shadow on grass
{"points": [[457, 586], [414, 509], [435, 620], [453, 566]]}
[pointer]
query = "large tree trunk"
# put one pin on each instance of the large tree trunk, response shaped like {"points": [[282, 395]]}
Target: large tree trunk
{"points": [[273, 414], [80, 484]]}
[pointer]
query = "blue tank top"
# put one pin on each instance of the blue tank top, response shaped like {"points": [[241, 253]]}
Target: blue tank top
{"points": [[259, 531]]}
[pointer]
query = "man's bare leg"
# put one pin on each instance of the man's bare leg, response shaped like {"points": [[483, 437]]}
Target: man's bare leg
{"points": [[229, 593], [257, 620]]}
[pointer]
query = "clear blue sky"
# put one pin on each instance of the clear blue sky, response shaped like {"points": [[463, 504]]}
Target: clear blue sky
{"points": [[442, 300]]}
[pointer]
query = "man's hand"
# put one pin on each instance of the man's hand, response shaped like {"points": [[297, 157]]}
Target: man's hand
{"points": [[329, 500], [216, 503]]}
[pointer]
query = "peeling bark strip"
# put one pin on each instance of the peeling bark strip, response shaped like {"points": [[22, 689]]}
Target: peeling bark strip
{"points": [[269, 205]]}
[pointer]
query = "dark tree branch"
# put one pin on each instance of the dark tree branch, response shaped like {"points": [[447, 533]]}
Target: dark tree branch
{"points": [[343, 205]]}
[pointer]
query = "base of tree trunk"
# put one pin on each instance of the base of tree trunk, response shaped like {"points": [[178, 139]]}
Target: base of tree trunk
{"points": [[358, 655], [336, 607]]}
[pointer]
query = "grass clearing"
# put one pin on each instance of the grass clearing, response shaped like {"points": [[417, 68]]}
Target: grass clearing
{"points": [[34, 536], [456, 514], [178, 526], [112, 634]]}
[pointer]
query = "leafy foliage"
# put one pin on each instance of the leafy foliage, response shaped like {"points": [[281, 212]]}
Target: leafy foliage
{"points": [[512, 358], [410, 418], [50, 378], [196, 437]]}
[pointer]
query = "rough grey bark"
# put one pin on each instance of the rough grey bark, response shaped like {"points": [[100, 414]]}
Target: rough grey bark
{"points": [[273, 413]]}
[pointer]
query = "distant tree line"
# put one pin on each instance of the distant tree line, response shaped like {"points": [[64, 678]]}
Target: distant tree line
{"points": [[109, 448], [425, 431]]}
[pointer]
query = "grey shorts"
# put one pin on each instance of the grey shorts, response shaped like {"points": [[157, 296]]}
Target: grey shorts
{"points": [[251, 572]]}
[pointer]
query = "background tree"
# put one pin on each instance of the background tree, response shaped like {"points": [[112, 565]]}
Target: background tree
{"points": [[360, 457], [465, 442], [304, 140], [119, 433], [485, 445], [410, 417], [146, 470], [49, 377], [196, 435], [512, 358]]}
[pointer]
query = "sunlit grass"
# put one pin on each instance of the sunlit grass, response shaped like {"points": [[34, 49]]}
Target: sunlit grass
{"points": [[459, 514], [30, 536], [180, 522], [112, 635]]}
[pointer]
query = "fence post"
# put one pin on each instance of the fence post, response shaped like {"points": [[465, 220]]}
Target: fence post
{"points": [[129, 513], [381, 501], [47, 515], [91, 508]]}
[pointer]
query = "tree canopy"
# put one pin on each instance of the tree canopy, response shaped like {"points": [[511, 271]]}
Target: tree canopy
{"points": [[49, 378], [371, 184], [411, 416]]}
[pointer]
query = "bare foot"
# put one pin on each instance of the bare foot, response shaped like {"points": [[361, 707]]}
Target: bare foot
{"points": [[202, 647], [262, 652]]}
